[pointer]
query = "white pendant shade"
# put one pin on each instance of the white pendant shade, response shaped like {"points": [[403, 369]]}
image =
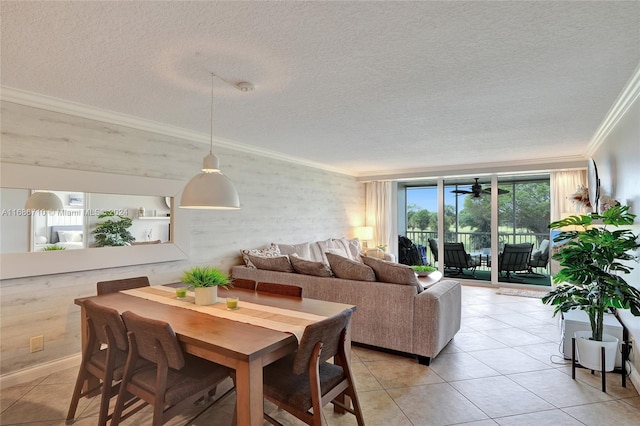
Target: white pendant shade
{"points": [[210, 190], [43, 201]]}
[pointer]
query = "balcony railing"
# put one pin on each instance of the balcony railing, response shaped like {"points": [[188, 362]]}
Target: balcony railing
{"points": [[475, 241]]}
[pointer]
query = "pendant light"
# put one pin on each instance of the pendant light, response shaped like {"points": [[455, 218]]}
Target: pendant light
{"points": [[42, 200], [210, 189]]}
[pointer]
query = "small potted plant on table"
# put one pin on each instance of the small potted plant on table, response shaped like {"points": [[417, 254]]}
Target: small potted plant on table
{"points": [[591, 267], [423, 270], [204, 280]]}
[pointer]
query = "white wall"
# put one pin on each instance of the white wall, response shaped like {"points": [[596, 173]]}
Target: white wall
{"points": [[14, 227], [281, 202], [618, 162]]}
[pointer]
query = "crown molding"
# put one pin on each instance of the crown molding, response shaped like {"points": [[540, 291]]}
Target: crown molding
{"points": [[36, 100], [537, 165], [620, 107]]}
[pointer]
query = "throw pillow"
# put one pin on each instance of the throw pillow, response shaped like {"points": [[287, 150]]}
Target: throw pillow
{"points": [[301, 249], [268, 252], [350, 269], [309, 267], [355, 247], [395, 273], [276, 263], [338, 251], [343, 244], [317, 252], [324, 247]]}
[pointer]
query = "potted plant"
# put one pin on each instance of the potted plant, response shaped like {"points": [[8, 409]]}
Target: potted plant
{"points": [[114, 231], [204, 281], [53, 248], [423, 270], [591, 267]]}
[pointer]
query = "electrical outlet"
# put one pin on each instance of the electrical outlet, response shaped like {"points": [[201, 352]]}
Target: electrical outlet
{"points": [[36, 344]]}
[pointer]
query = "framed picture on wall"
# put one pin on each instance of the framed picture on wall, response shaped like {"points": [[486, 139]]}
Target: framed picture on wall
{"points": [[76, 199]]}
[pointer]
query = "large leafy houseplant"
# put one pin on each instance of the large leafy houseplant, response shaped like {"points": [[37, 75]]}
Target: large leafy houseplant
{"points": [[592, 263], [114, 231]]}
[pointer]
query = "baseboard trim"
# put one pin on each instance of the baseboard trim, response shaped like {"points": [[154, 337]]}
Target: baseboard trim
{"points": [[634, 375], [26, 375]]}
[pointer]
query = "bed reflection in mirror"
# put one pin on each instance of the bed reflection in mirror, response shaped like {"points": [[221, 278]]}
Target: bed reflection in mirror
{"points": [[144, 220]]}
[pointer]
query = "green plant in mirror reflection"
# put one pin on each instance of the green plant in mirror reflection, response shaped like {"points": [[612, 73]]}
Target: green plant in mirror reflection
{"points": [[113, 231]]}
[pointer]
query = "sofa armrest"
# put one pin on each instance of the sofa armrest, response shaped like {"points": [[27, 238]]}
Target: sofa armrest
{"points": [[379, 254], [436, 317]]}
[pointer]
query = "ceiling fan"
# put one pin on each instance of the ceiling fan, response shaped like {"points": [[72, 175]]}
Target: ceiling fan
{"points": [[477, 191]]}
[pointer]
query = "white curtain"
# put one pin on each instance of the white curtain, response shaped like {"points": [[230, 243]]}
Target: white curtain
{"points": [[378, 211], [564, 184]]}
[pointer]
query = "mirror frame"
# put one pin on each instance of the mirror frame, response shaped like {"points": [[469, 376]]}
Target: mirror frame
{"points": [[593, 184], [28, 264]]}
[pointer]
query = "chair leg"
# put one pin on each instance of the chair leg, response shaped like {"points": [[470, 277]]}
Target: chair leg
{"points": [[77, 394]]}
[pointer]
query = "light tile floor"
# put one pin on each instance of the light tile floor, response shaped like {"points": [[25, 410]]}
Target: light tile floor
{"points": [[502, 368]]}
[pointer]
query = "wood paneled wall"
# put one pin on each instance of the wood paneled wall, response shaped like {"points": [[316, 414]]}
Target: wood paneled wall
{"points": [[281, 202]]}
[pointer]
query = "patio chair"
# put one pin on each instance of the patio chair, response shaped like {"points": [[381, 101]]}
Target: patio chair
{"points": [[539, 257], [433, 246], [514, 258], [457, 259]]}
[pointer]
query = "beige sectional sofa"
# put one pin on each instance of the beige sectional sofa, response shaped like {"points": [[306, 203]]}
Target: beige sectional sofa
{"points": [[399, 317]]}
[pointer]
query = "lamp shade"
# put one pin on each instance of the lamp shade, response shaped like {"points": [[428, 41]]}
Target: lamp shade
{"points": [[43, 201], [210, 190], [364, 233]]}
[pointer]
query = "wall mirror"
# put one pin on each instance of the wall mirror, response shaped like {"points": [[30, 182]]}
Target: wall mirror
{"points": [[41, 242]]}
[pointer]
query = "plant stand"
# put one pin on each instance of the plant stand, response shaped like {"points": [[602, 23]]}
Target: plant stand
{"points": [[603, 372]]}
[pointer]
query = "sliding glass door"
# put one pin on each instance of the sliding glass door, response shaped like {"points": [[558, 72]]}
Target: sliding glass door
{"points": [[479, 222]]}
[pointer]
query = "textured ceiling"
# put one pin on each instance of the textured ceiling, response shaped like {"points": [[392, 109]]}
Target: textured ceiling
{"points": [[365, 87]]}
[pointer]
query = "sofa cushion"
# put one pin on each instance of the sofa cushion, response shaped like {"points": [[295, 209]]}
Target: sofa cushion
{"points": [[350, 269], [317, 252], [339, 252], [309, 267], [271, 251], [302, 249], [276, 263], [347, 246], [395, 273]]}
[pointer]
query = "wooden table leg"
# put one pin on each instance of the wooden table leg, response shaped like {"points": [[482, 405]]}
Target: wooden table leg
{"points": [[249, 395]]}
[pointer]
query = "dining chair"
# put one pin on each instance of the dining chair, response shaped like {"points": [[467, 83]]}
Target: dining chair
{"points": [[174, 381], [514, 258], [281, 289], [103, 357], [113, 286], [244, 283], [305, 380]]}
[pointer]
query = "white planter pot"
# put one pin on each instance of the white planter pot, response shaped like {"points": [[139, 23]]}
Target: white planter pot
{"points": [[206, 295], [588, 351]]}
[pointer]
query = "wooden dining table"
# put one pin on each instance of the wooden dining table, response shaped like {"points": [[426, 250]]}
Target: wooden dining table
{"points": [[238, 345]]}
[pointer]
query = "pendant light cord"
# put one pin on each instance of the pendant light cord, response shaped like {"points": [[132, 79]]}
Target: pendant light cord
{"points": [[213, 76]]}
